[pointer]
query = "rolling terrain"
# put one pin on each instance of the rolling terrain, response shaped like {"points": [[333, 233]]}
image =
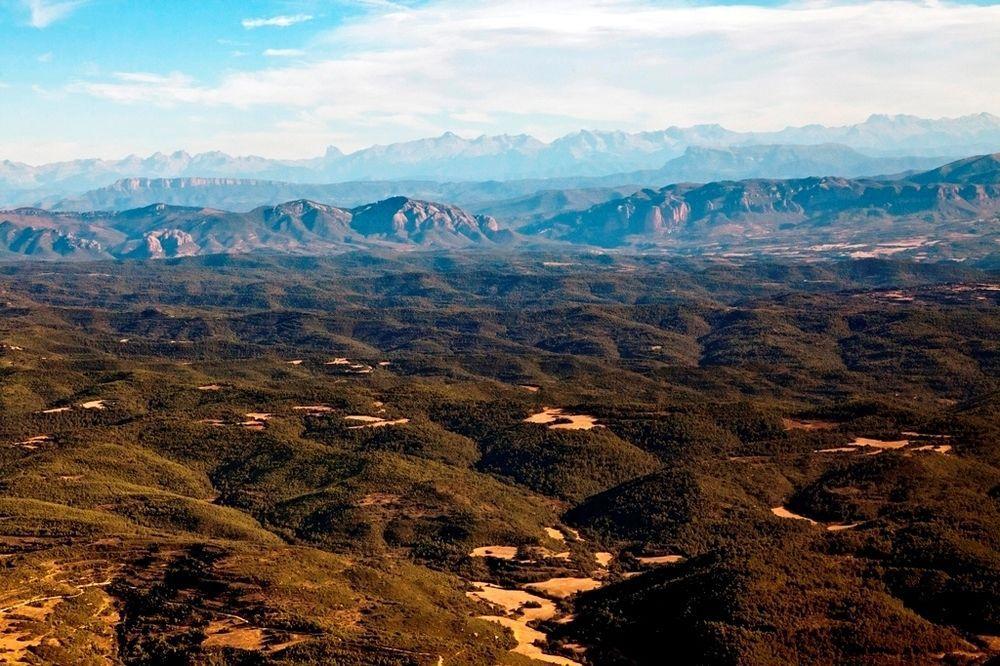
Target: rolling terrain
{"points": [[494, 458]]}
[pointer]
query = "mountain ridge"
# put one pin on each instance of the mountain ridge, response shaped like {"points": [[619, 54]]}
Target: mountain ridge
{"points": [[946, 209], [696, 164], [963, 190], [296, 227], [506, 157]]}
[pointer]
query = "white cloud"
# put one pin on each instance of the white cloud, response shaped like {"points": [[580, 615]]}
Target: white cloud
{"points": [[276, 21], [145, 87], [284, 53], [552, 66], [46, 57], [43, 13]]}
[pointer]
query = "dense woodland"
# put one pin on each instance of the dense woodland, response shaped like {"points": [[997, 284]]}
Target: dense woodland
{"points": [[179, 483]]}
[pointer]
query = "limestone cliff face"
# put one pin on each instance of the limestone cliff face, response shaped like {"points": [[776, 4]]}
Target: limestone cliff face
{"points": [[403, 219], [302, 227]]}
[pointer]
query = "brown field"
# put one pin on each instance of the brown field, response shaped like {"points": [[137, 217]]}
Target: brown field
{"points": [[560, 588]]}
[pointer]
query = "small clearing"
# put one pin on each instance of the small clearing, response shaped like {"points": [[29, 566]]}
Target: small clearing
{"points": [[227, 633], [297, 361], [603, 558], [879, 443], [657, 560], [373, 421], [939, 448], [807, 424], [527, 638], [498, 552], [233, 632], [553, 533], [529, 606], [560, 588], [94, 404], [557, 419], [782, 512], [520, 608], [839, 527], [313, 410], [873, 446], [210, 387]]}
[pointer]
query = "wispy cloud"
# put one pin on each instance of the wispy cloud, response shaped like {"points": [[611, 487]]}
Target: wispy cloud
{"points": [[135, 87], [48, 56], [283, 21], [284, 53], [43, 13], [551, 66]]}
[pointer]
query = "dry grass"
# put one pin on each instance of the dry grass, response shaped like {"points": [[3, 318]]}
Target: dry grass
{"points": [[660, 559], [560, 588], [498, 552]]}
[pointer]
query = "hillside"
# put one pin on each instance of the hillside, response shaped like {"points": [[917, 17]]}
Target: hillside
{"points": [[794, 213], [946, 213], [487, 459], [296, 227]]}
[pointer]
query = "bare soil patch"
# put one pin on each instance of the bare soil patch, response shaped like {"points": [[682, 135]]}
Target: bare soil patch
{"points": [[557, 419]]}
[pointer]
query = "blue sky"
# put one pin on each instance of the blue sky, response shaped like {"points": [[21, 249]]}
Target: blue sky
{"points": [[287, 78]]}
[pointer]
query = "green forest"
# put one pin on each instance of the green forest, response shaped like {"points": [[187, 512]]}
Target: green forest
{"points": [[489, 458]]}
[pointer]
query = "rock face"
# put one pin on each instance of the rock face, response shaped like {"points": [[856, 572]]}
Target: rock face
{"points": [[161, 244], [300, 227], [46, 243], [403, 220]]}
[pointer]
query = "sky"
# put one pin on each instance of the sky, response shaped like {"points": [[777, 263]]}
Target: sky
{"points": [[286, 78]]}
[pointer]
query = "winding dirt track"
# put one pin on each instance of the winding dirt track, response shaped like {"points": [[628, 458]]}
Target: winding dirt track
{"points": [[79, 592]]}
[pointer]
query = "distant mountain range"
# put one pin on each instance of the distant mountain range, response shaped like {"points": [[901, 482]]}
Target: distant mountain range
{"points": [[585, 154], [697, 164], [948, 212]]}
